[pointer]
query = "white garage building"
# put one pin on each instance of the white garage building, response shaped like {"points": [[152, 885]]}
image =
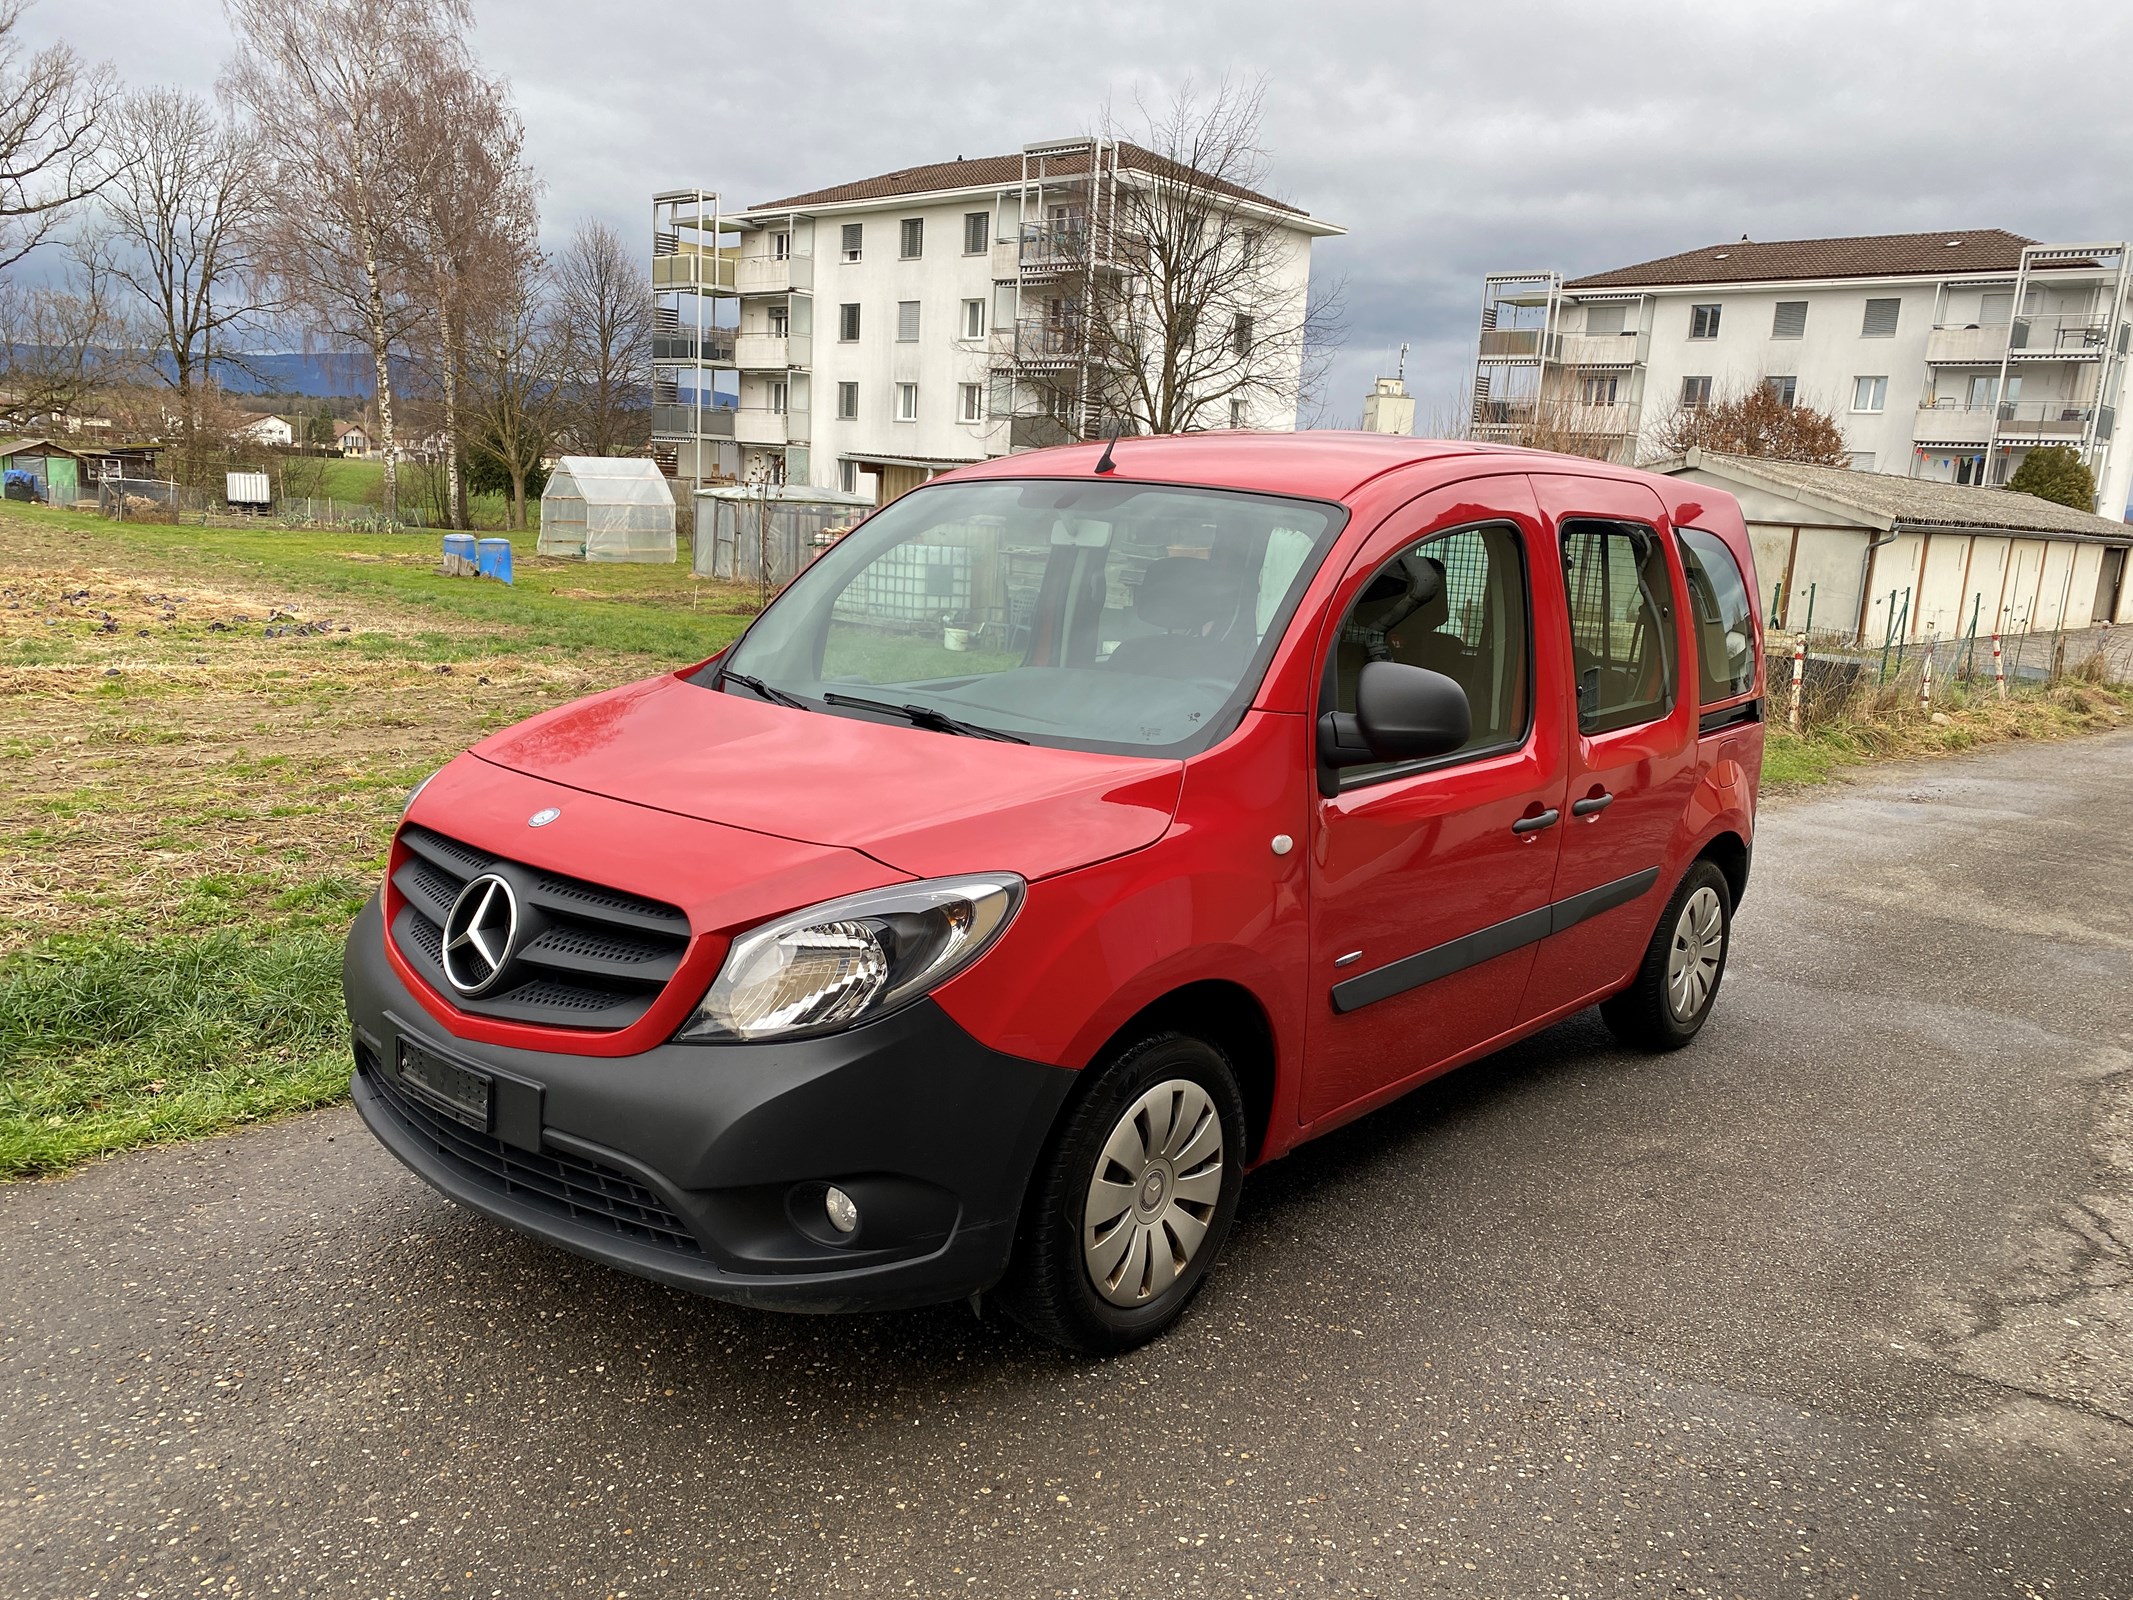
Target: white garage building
{"points": [[1854, 543]]}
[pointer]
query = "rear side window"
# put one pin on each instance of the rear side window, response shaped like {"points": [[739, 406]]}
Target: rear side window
{"points": [[1621, 623], [1724, 620], [1456, 604]]}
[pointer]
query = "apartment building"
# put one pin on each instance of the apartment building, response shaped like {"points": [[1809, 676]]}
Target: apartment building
{"points": [[867, 335], [1945, 356]]}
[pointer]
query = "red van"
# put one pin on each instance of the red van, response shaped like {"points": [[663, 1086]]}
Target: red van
{"points": [[1085, 829]]}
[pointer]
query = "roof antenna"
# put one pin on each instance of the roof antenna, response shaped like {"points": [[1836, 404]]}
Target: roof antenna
{"points": [[1104, 462]]}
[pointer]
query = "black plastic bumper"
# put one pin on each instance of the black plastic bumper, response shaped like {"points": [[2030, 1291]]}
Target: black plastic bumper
{"points": [[704, 1166]]}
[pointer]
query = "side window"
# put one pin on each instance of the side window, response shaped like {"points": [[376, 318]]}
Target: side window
{"points": [[1455, 603], [1621, 623], [1724, 620]]}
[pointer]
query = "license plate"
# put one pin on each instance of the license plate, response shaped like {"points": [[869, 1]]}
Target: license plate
{"points": [[445, 1086]]}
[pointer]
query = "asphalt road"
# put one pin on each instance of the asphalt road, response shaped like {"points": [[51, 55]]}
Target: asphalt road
{"points": [[1834, 1303]]}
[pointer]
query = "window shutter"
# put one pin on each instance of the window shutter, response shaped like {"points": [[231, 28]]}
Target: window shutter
{"points": [[914, 240], [1790, 321], [1605, 319], [854, 233], [977, 225], [1881, 319], [848, 321], [906, 320]]}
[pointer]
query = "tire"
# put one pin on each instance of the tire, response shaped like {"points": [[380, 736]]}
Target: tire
{"points": [[1676, 984], [1158, 1141]]}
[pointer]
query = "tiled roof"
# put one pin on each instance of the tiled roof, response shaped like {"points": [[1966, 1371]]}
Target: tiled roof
{"points": [[1881, 255], [991, 172], [1886, 499]]}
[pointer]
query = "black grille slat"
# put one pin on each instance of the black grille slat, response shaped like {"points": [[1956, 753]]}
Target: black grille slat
{"points": [[597, 958], [556, 1182]]}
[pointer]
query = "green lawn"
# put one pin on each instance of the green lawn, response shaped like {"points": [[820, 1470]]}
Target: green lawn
{"points": [[208, 733]]}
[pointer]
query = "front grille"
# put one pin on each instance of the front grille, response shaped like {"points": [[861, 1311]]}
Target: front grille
{"points": [[555, 1183], [590, 957]]}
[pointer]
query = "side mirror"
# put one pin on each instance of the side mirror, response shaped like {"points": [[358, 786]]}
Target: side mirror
{"points": [[1402, 713]]}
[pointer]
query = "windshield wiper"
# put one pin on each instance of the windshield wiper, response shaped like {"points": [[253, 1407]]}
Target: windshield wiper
{"points": [[774, 695], [924, 717]]}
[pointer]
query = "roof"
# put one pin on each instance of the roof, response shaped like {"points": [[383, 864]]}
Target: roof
{"points": [[633, 480], [16, 447], [1883, 500], [992, 172], [1880, 255]]}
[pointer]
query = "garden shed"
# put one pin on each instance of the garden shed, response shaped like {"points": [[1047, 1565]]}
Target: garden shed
{"points": [[41, 470], [737, 528], [607, 508]]}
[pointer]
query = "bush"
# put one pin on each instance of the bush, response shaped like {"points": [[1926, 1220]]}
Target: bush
{"points": [[2055, 472]]}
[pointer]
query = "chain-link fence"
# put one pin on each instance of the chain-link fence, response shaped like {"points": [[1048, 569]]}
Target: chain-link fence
{"points": [[159, 500], [1840, 679]]}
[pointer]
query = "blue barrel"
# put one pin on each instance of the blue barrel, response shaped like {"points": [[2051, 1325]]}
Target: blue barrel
{"points": [[460, 545], [493, 557]]}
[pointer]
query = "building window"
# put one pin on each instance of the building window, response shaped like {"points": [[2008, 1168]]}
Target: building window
{"points": [[848, 322], [1240, 335], [1703, 322], [780, 320], [781, 247], [907, 402], [1600, 391], [847, 401], [1695, 393], [1606, 319], [854, 238], [1870, 394], [848, 476], [1784, 390], [1862, 461], [906, 321], [780, 393], [973, 319], [973, 401], [1790, 321], [914, 238], [977, 232], [1880, 320]]}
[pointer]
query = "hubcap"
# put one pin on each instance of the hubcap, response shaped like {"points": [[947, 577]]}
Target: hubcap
{"points": [[1699, 947], [1153, 1193]]}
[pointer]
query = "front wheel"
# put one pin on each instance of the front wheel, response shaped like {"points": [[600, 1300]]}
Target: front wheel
{"points": [[1666, 1003], [1132, 1200]]}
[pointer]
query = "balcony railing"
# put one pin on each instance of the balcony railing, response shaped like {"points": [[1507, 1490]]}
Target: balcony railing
{"points": [[1597, 349], [1040, 339], [693, 269], [762, 425], [2046, 418], [716, 347], [1497, 343], [773, 274], [2070, 334], [1966, 344], [1037, 433], [670, 421], [1944, 421], [757, 352], [1054, 243]]}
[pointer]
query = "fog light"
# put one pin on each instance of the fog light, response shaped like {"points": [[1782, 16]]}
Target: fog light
{"points": [[843, 1210]]}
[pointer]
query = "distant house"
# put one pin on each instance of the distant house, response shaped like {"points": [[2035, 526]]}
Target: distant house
{"points": [[351, 438], [268, 430]]}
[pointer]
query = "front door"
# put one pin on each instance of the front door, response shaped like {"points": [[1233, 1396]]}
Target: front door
{"points": [[1633, 743], [1430, 880]]}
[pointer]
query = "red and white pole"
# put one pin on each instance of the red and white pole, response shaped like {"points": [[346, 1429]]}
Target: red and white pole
{"points": [[1799, 671], [1925, 679], [1999, 669]]}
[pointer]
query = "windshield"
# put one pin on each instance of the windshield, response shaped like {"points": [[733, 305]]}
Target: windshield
{"points": [[1123, 617]]}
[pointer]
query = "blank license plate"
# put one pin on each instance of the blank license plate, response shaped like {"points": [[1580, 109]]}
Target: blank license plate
{"points": [[459, 1094]]}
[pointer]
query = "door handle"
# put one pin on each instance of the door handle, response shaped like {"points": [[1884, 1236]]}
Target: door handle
{"points": [[1547, 819], [1592, 805]]}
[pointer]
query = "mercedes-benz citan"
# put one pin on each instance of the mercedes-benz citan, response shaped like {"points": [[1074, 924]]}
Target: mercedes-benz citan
{"points": [[1082, 830]]}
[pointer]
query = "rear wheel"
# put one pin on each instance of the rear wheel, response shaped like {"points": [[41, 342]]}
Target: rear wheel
{"points": [[1132, 1200], [1666, 1003]]}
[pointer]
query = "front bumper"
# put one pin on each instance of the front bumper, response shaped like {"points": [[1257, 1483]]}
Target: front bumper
{"points": [[703, 1166]]}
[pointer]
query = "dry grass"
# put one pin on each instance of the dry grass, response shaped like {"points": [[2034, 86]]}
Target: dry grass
{"points": [[1887, 724]]}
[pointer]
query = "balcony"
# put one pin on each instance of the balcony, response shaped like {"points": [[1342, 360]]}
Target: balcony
{"points": [[716, 349], [2071, 336], [773, 274], [1510, 344], [761, 425], [670, 421], [1952, 344], [773, 352], [2045, 421], [1053, 245], [1041, 342], [1598, 349], [1038, 433], [1947, 422], [694, 269], [1006, 261]]}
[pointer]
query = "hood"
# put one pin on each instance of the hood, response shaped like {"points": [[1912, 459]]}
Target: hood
{"points": [[924, 803]]}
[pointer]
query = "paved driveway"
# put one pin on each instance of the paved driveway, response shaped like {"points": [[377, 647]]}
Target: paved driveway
{"points": [[1834, 1303]]}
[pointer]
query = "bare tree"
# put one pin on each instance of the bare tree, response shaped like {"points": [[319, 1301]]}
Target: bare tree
{"points": [[321, 80], [606, 307], [183, 215], [53, 109], [1756, 421], [466, 238], [519, 355], [1193, 310], [62, 343]]}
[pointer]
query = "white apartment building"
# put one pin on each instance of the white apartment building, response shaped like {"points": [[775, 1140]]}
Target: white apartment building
{"points": [[867, 335], [1945, 356]]}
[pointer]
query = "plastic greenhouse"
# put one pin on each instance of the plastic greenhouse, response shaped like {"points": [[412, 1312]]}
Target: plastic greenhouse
{"points": [[607, 508], [738, 528]]}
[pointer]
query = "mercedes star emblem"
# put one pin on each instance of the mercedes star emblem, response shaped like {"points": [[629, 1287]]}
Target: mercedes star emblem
{"points": [[542, 817], [479, 932]]}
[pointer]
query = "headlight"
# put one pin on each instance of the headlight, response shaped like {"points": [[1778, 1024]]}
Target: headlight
{"points": [[854, 959]]}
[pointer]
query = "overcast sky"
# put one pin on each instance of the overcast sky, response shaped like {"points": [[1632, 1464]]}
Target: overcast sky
{"points": [[1449, 139]]}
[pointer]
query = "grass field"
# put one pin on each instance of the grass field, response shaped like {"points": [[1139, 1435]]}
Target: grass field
{"points": [[209, 734]]}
